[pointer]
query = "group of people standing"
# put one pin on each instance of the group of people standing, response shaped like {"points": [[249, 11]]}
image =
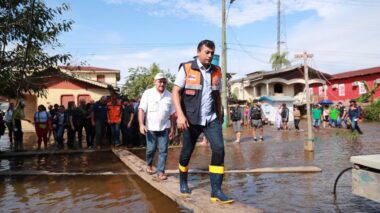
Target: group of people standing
{"points": [[254, 117], [102, 121], [338, 116]]}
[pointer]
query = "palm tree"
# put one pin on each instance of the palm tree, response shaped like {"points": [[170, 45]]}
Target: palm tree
{"points": [[369, 95], [279, 60]]}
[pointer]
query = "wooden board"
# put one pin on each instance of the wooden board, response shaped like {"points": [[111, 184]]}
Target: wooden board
{"points": [[49, 152], [48, 173], [199, 201], [297, 169]]}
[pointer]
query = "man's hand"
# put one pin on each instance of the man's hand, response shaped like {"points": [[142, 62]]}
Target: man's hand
{"points": [[171, 133], [182, 122], [143, 130]]}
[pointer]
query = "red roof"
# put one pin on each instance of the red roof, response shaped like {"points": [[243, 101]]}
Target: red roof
{"points": [[86, 68], [356, 73]]}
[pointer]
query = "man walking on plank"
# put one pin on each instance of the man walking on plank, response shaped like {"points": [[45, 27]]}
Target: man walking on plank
{"points": [[197, 100]]}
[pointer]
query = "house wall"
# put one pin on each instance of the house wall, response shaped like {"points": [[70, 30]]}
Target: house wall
{"points": [[110, 78], [54, 95], [350, 91]]}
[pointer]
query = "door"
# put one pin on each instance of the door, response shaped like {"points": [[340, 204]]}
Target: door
{"points": [[65, 99]]}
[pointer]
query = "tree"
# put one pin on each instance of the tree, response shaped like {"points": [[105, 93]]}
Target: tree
{"points": [[279, 60], [369, 95], [28, 28], [141, 78]]}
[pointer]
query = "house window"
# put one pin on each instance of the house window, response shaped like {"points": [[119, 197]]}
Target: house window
{"points": [[278, 88], [341, 89], [65, 99], [362, 89], [101, 78], [321, 91]]}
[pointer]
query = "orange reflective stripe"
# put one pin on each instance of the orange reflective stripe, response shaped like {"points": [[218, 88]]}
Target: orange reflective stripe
{"points": [[193, 78], [216, 77]]}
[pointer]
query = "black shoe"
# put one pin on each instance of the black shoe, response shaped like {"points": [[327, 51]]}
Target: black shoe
{"points": [[261, 139], [255, 139]]}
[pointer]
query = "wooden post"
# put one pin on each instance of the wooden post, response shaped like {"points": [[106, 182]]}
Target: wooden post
{"points": [[309, 141]]}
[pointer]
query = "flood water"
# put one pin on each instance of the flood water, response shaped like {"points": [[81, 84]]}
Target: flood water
{"points": [[293, 192]]}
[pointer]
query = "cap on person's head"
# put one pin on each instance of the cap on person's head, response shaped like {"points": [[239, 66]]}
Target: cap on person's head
{"points": [[352, 101], [159, 76]]}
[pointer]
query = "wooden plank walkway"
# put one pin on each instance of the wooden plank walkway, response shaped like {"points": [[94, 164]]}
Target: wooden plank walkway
{"points": [[49, 152], [48, 173], [295, 169], [199, 201]]}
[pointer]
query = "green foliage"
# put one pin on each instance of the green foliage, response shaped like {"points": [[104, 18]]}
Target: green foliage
{"points": [[347, 135], [279, 61], [27, 29], [141, 78], [372, 112], [368, 96], [235, 94]]}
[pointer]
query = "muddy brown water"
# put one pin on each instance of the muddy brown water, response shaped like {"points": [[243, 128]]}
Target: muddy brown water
{"points": [[294, 192]]}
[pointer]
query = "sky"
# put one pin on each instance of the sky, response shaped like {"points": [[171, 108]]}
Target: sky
{"points": [[342, 35]]}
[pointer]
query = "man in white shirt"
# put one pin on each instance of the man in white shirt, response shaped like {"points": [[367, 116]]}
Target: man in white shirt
{"points": [[156, 123]]}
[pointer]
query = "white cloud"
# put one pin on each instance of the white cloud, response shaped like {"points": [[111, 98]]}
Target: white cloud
{"points": [[343, 35], [168, 59], [346, 38]]}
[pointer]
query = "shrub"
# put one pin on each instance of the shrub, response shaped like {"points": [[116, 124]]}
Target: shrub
{"points": [[372, 112]]}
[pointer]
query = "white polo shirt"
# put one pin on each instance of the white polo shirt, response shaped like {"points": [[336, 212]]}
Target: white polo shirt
{"points": [[158, 108]]}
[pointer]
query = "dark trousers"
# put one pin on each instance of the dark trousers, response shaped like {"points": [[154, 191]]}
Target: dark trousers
{"points": [[90, 133], [126, 135], [59, 131], [70, 138], [79, 132], [213, 133], [100, 132], [296, 123]]}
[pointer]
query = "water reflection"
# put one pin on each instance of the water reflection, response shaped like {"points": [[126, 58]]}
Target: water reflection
{"points": [[43, 193]]}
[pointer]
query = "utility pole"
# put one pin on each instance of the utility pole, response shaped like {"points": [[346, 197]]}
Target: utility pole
{"points": [[278, 27], [224, 66], [309, 141]]}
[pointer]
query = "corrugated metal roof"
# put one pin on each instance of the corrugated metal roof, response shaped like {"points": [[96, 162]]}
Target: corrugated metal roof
{"points": [[356, 73]]}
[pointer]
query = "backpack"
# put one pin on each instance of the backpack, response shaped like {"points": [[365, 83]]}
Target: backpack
{"points": [[284, 113], [255, 113], [236, 115]]}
